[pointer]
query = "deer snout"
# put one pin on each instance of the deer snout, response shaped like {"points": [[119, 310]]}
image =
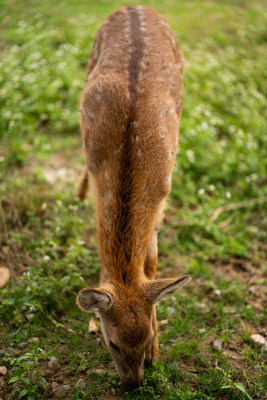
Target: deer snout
{"points": [[132, 379]]}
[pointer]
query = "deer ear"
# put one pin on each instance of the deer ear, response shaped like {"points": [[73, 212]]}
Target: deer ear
{"points": [[94, 300], [161, 289]]}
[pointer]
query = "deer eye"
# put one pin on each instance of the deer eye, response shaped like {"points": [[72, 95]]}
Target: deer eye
{"points": [[113, 345]]}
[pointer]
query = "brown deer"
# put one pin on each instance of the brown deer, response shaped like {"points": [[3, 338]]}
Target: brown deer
{"points": [[130, 111]]}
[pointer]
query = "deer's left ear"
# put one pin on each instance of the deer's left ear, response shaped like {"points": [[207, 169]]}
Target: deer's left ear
{"points": [[94, 300], [161, 289]]}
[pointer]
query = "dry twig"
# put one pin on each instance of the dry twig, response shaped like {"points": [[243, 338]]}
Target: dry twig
{"points": [[235, 206]]}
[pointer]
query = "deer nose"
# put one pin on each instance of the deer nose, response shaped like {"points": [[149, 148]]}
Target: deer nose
{"points": [[133, 380]]}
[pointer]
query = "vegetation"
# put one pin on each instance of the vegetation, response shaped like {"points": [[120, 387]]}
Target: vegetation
{"points": [[48, 238]]}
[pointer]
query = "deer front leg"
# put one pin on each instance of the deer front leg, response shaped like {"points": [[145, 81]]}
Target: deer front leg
{"points": [[152, 352]]}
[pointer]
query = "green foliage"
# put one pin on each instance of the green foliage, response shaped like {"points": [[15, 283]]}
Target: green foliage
{"points": [[28, 379], [233, 386]]}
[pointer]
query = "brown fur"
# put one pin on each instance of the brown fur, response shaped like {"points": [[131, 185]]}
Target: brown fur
{"points": [[130, 111], [83, 186]]}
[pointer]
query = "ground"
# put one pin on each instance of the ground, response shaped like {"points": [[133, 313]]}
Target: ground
{"points": [[48, 238]]}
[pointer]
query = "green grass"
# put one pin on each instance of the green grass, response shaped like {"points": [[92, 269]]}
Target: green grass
{"points": [[48, 239]]}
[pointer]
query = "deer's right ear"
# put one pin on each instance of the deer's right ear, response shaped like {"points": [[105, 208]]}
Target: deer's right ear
{"points": [[94, 300]]}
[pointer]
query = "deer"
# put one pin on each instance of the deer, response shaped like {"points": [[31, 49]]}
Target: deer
{"points": [[129, 117]]}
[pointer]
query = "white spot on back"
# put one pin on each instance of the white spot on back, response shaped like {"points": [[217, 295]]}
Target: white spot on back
{"points": [[116, 151], [149, 171], [142, 64], [106, 219]]}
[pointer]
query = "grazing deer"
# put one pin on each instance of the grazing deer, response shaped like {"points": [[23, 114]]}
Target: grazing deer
{"points": [[130, 111]]}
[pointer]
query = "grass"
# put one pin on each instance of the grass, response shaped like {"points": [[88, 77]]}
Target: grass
{"points": [[48, 239]]}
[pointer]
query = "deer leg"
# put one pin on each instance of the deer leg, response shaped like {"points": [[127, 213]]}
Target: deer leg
{"points": [[152, 352], [83, 186], [150, 266]]}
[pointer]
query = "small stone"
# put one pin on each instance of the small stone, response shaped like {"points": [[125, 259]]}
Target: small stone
{"points": [[55, 385], [53, 364], [66, 387], [163, 322], [217, 344], [98, 371], [252, 289], [201, 305], [94, 371], [71, 331], [229, 310], [258, 340], [93, 327], [202, 330], [34, 340], [217, 292], [51, 357], [256, 368], [30, 317], [22, 345], [81, 383], [3, 370], [4, 276], [113, 391]]}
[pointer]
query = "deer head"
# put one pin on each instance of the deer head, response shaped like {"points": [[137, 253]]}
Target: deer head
{"points": [[126, 320]]}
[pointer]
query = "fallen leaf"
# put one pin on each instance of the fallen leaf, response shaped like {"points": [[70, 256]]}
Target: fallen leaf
{"points": [[93, 327]]}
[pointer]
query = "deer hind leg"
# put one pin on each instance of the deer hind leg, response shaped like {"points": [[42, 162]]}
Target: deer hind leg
{"points": [[83, 185], [150, 266]]}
